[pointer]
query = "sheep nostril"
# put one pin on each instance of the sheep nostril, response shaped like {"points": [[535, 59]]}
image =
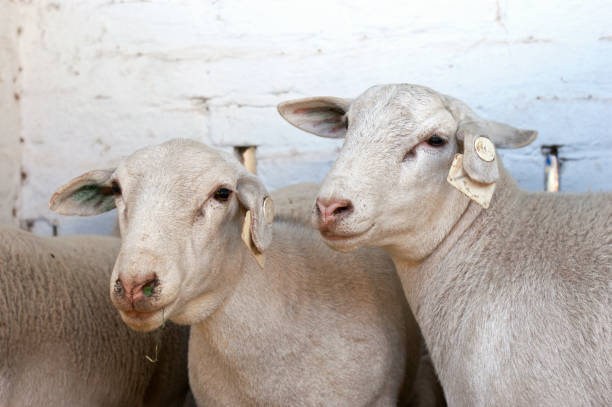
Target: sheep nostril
{"points": [[118, 288], [342, 209]]}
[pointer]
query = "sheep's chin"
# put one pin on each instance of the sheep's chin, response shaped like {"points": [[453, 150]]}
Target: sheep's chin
{"points": [[143, 321]]}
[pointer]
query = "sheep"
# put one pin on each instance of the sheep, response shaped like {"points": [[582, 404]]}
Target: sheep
{"points": [[514, 301], [63, 343], [309, 326]]}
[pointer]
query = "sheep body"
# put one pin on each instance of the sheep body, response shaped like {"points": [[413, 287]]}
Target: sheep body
{"points": [[526, 310], [311, 317]]}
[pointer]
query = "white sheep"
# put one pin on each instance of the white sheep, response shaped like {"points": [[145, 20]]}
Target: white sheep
{"points": [[514, 301], [312, 327], [62, 342]]}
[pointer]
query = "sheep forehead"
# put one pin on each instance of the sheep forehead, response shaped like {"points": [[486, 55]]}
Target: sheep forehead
{"points": [[389, 114], [393, 109], [179, 168]]}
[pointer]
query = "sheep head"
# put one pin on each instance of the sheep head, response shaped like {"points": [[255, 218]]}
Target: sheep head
{"points": [[390, 185], [181, 209]]}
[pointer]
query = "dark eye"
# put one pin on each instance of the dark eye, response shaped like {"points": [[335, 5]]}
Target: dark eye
{"points": [[116, 188], [436, 141], [222, 194]]}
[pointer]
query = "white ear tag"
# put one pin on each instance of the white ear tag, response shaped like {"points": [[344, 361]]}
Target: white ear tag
{"points": [[476, 191], [260, 258], [485, 149]]}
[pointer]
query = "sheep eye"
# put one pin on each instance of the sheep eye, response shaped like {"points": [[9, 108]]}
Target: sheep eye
{"points": [[436, 141], [115, 188], [222, 194]]}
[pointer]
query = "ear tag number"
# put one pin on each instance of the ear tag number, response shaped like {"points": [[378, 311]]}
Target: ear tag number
{"points": [[247, 239], [476, 191]]}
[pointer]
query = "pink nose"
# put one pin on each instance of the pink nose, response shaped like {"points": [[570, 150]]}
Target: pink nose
{"points": [[136, 288], [331, 211]]}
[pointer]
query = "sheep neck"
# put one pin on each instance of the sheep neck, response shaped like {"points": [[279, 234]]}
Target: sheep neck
{"points": [[417, 276], [440, 288]]}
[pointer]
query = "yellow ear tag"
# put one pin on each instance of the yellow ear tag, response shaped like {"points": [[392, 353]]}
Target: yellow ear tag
{"points": [[268, 210], [476, 191], [260, 258]]}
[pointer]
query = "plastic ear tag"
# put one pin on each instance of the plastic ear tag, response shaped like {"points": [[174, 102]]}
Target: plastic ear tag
{"points": [[268, 210], [260, 258], [485, 149], [476, 191]]}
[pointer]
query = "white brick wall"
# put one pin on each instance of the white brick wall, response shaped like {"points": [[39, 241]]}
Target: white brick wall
{"points": [[10, 150], [102, 78]]}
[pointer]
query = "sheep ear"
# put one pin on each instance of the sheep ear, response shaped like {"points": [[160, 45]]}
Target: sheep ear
{"points": [[479, 160], [475, 171], [323, 116], [86, 195], [502, 135], [257, 225]]}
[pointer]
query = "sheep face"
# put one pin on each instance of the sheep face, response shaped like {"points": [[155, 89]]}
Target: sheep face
{"points": [[389, 185], [180, 208]]}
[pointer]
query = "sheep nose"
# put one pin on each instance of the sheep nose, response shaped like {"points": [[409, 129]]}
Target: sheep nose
{"points": [[134, 289], [332, 210]]}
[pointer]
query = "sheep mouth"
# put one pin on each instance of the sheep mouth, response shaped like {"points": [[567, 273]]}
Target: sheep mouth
{"points": [[146, 320], [342, 237], [139, 315]]}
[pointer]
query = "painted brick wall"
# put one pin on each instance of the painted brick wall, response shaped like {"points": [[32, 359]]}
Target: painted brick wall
{"points": [[102, 78], [10, 97]]}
